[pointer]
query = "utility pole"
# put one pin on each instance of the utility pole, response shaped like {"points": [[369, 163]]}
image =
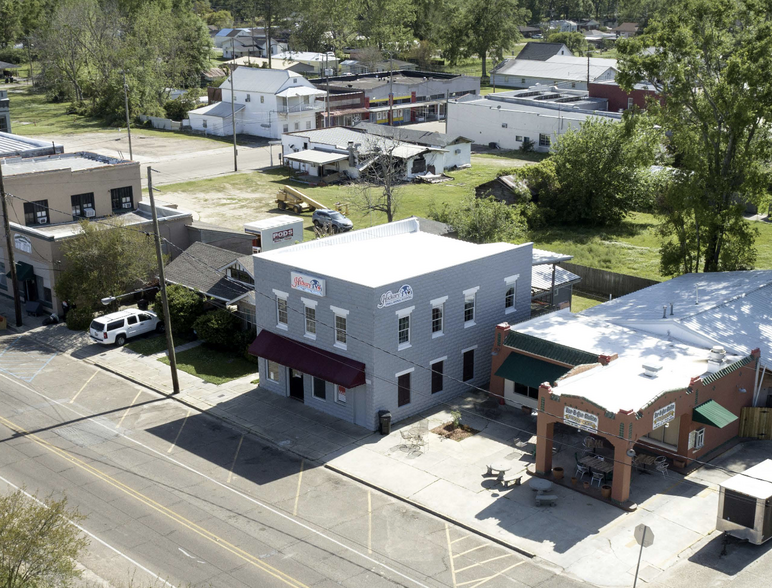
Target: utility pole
{"points": [[233, 119], [588, 69], [327, 75], [29, 56], [162, 280], [9, 247], [126, 104], [268, 17], [391, 90]]}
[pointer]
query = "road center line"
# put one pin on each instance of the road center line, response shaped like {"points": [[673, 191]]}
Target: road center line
{"points": [[235, 457], [212, 480], [176, 438], [120, 422], [300, 481], [450, 556], [84, 386]]}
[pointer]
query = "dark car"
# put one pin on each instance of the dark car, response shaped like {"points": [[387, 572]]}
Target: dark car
{"points": [[335, 220]]}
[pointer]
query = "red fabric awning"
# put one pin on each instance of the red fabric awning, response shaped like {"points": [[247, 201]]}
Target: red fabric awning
{"points": [[310, 360]]}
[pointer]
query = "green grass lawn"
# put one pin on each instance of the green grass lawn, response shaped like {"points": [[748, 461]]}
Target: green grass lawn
{"points": [[580, 303], [155, 344], [212, 365]]}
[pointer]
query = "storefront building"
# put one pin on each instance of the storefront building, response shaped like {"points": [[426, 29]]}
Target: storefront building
{"points": [[385, 318], [637, 391]]}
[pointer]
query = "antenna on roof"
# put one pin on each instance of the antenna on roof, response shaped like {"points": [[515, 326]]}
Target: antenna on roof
{"points": [[697, 295]]}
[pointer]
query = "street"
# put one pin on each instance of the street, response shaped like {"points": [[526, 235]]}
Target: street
{"points": [[174, 496]]}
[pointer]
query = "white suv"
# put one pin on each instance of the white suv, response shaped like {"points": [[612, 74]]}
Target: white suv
{"points": [[122, 325]]}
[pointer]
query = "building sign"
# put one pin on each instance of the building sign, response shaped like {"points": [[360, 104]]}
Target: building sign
{"points": [[580, 419], [283, 235], [22, 243], [390, 298], [664, 415], [341, 395], [306, 283]]}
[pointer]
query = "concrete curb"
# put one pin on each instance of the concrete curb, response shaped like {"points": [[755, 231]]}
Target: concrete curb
{"points": [[433, 512]]}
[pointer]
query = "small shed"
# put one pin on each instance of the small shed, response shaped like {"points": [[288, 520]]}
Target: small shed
{"points": [[745, 504]]}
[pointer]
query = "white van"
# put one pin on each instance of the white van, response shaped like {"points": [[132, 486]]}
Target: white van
{"points": [[122, 325]]}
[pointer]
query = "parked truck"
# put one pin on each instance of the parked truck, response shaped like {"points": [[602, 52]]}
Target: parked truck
{"points": [[275, 232]]}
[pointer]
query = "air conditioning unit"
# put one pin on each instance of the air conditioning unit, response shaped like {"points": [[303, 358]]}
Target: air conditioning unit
{"points": [[89, 212], [42, 221], [127, 205]]}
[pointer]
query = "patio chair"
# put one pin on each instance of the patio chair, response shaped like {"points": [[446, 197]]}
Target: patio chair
{"points": [[581, 470], [597, 476], [662, 467], [408, 439], [660, 459]]}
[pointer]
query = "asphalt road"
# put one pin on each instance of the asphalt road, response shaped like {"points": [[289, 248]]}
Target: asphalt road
{"points": [[174, 496]]}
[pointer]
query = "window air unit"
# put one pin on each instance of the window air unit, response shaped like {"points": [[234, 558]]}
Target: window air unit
{"points": [[89, 212], [42, 221], [127, 205]]}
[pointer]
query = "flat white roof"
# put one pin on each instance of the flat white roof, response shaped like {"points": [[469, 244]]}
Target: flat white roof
{"points": [[756, 481], [316, 157], [71, 161], [620, 385], [382, 255], [273, 222]]}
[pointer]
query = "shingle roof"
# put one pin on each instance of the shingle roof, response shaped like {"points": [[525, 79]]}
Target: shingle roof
{"points": [[194, 268], [542, 51], [548, 349]]}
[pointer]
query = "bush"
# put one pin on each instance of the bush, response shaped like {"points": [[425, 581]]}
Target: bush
{"points": [[220, 329], [527, 145], [78, 319], [178, 108], [185, 306]]}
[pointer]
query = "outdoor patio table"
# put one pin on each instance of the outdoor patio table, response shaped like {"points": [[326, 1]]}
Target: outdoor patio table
{"points": [[540, 485], [501, 467], [597, 464]]}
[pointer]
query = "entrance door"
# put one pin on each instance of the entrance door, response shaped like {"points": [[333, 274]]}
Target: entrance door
{"points": [[296, 384], [360, 407]]}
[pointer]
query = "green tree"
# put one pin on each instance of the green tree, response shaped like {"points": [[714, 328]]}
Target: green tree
{"points": [[387, 24], [39, 542], [575, 42], [185, 306], [492, 27], [324, 24], [219, 328], [602, 170], [10, 22], [712, 67], [482, 220], [221, 19], [105, 259]]}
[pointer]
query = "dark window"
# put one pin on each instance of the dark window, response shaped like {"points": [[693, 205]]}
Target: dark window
{"points": [[437, 319], [437, 376], [240, 275], [144, 317], [36, 213], [403, 329], [739, 508], [115, 325], [320, 389], [81, 202], [468, 372], [528, 391], [97, 326], [47, 294], [403, 390], [469, 309], [509, 298], [122, 199], [132, 320], [544, 140]]}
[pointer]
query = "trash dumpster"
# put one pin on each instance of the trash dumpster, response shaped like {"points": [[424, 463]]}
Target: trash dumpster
{"points": [[385, 418]]}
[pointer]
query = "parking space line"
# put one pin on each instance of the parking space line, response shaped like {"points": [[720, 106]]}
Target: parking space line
{"points": [[84, 386], [479, 563], [297, 494], [176, 438], [41, 367], [369, 521], [470, 550], [120, 422], [460, 539], [450, 558], [482, 581], [235, 457]]}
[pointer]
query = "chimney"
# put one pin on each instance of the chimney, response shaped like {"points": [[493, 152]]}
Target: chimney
{"points": [[352, 160], [671, 309], [501, 331], [650, 370]]}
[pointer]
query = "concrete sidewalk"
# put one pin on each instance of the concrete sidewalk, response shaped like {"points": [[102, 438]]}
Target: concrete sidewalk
{"points": [[586, 537]]}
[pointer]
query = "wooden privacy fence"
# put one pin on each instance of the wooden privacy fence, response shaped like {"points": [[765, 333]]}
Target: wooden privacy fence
{"points": [[602, 283], [756, 422]]}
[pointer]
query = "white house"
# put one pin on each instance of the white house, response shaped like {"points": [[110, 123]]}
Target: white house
{"points": [[565, 26], [349, 150], [563, 71], [268, 102], [538, 114], [319, 61]]}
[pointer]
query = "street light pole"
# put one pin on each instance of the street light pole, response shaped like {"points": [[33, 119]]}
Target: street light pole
{"points": [[126, 104], [162, 281], [9, 248], [391, 90], [233, 117]]}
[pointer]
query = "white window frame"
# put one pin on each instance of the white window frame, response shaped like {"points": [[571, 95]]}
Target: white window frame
{"points": [[437, 303], [510, 282], [470, 294], [284, 326], [285, 128], [401, 314], [340, 313], [268, 377], [697, 439], [309, 304]]}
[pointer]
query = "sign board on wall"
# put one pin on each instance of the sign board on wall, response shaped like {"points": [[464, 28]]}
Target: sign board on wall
{"points": [[664, 415], [283, 235], [580, 419], [306, 283], [390, 298]]}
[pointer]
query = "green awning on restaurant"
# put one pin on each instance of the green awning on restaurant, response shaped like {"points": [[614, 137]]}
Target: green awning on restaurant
{"points": [[529, 370], [24, 271], [713, 414]]}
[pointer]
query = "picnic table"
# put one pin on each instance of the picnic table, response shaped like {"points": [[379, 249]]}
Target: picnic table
{"points": [[540, 485], [500, 467], [597, 464], [642, 461]]}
